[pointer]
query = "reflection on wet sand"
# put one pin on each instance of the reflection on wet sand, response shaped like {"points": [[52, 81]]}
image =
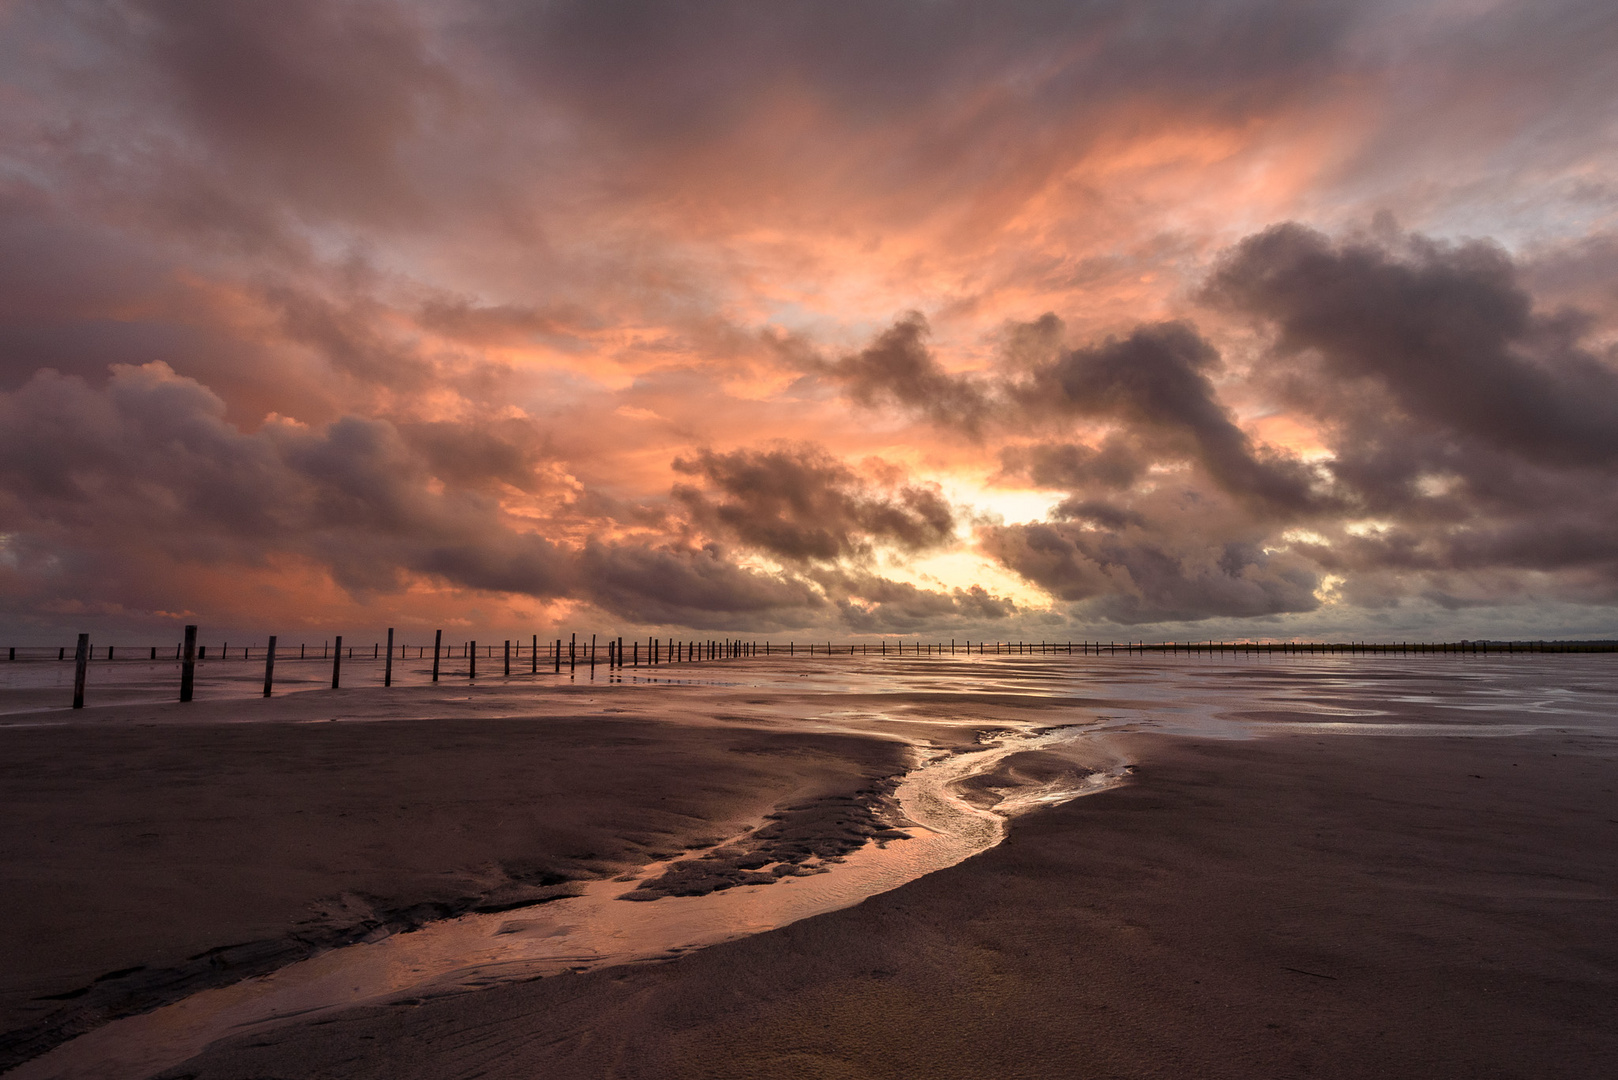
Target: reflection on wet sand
{"points": [[992, 737], [601, 925]]}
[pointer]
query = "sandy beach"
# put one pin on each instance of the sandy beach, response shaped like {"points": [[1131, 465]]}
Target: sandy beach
{"points": [[148, 859], [1397, 901]]}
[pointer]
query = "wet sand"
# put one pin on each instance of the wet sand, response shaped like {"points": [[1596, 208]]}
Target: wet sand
{"points": [[144, 860], [1411, 870], [1287, 906]]}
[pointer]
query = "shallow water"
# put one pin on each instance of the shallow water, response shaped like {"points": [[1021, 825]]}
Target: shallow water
{"points": [[593, 929], [931, 703]]}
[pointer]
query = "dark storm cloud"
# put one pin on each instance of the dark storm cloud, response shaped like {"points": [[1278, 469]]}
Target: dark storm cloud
{"points": [[1156, 379], [801, 504], [467, 455], [151, 459], [1446, 331], [698, 587], [871, 604], [307, 97], [1154, 577], [1117, 464], [1480, 427], [666, 70], [149, 464], [898, 368]]}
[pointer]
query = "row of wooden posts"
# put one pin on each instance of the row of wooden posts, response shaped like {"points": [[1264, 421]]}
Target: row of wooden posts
{"points": [[657, 652]]}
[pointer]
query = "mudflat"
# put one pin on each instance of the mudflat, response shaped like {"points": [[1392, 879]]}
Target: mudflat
{"points": [[144, 858], [1288, 906]]}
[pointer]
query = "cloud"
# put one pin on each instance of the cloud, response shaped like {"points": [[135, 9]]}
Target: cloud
{"points": [[1445, 331], [869, 603], [149, 463], [1151, 578], [1154, 382], [800, 504], [898, 368], [309, 100], [661, 311]]}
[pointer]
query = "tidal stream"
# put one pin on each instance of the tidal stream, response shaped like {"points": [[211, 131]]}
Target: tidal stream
{"points": [[590, 930]]}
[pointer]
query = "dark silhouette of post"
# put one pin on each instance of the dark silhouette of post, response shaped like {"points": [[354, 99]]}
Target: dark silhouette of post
{"points": [[387, 668], [188, 664], [508, 658], [269, 666], [81, 660], [572, 654], [438, 642], [336, 661], [472, 671], [533, 657]]}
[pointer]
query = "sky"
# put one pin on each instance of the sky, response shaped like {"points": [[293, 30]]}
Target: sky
{"points": [[1257, 319]]}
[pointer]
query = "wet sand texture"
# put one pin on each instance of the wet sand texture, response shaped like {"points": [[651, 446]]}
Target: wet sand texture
{"points": [[142, 863], [1286, 907]]}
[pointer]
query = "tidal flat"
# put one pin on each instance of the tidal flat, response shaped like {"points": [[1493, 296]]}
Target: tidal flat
{"points": [[854, 866]]}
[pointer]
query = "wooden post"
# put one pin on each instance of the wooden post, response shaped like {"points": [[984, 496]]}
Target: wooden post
{"points": [[558, 656], [387, 669], [269, 666], [337, 662], [438, 643], [472, 663], [592, 656], [573, 654], [188, 666], [81, 660], [533, 657]]}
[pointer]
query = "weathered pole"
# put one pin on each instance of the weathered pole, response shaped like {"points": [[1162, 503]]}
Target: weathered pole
{"points": [[472, 667], [533, 657], [438, 642], [387, 668], [508, 658], [337, 662], [269, 666], [188, 666], [81, 660]]}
